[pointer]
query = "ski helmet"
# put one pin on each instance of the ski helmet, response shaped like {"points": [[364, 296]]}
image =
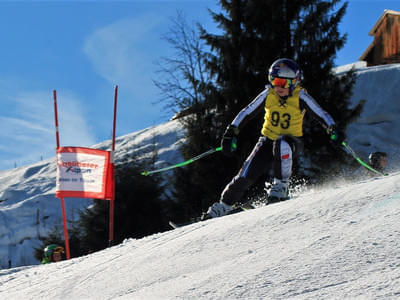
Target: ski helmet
{"points": [[48, 251], [375, 158], [285, 68]]}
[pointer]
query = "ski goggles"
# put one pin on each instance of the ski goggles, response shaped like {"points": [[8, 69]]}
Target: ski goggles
{"points": [[282, 82]]}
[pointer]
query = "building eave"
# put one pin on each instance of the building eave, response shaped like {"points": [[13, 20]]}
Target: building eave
{"points": [[366, 52], [380, 20]]}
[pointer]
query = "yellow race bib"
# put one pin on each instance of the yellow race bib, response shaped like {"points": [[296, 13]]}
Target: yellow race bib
{"points": [[282, 117]]}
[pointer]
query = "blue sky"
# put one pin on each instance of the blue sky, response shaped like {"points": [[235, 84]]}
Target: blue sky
{"points": [[83, 48]]}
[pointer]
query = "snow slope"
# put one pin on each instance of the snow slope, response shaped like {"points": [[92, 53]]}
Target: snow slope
{"points": [[339, 242], [29, 209]]}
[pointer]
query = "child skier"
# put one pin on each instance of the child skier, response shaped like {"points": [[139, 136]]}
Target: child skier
{"points": [[53, 253], [285, 103]]}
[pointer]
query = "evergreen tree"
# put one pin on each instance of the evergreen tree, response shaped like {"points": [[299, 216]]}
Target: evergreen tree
{"points": [[254, 34], [316, 40]]}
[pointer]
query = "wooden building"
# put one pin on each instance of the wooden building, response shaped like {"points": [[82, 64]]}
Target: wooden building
{"points": [[385, 48]]}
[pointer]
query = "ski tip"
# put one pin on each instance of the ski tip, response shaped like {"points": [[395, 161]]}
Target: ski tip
{"points": [[173, 224]]}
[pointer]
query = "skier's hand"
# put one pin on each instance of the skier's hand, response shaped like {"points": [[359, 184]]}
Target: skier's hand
{"points": [[334, 135], [229, 140]]}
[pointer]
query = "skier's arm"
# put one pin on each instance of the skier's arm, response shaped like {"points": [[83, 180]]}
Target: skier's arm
{"points": [[307, 102], [251, 110], [229, 139]]}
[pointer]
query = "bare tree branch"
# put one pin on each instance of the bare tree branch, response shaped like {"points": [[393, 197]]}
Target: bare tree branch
{"points": [[183, 77]]}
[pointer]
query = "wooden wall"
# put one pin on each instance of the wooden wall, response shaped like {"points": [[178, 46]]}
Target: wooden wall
{"points": [[386, 44]]}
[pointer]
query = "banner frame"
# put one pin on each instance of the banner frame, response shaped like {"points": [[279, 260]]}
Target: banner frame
{"points": [[109, 196]]}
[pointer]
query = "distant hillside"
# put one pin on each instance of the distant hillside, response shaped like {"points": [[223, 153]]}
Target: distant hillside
{"points": [[28, 207]]}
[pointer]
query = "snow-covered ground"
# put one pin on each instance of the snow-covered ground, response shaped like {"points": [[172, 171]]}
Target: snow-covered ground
{"points": [[339, 242], [28, 207]]}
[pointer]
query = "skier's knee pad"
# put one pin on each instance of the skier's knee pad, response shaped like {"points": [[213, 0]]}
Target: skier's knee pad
{"points": [[295, 143], [282, 149], [283, 157]]}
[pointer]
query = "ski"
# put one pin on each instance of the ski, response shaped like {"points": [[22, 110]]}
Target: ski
{"points": [[240, 208], [177, 225]]}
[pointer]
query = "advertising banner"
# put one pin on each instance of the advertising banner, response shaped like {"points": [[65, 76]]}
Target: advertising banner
{"points": [[84, 173]]}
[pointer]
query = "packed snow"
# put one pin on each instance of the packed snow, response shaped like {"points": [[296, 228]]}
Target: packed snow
{"points": [[337, 241]]}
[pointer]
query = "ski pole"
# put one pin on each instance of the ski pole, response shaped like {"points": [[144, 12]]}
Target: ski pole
{"points": [[189, 161], [357, 158]]}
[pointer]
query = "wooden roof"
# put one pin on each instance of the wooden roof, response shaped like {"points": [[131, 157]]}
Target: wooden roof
{"points": [[375, 28], [378, 23]]}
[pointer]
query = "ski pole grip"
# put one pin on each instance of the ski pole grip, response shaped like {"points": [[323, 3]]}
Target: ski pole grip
{"points": [[234, 144]]}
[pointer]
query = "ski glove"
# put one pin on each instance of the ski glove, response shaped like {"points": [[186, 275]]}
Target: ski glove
{"points": [[229, 140], [334, 135]]}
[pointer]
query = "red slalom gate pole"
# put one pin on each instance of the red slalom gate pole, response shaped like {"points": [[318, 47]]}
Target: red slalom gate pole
{"points": [[61, 199], [115, 116], [65, 228], [56, 118], [111, 226]]}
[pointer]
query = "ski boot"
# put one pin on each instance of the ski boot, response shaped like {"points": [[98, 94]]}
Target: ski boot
{"points": [[279, 191], [218, 209]]}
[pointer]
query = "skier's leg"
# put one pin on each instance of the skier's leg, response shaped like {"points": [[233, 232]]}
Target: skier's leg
{"points": [[285, 148], [254, 166], [283, 159]]}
